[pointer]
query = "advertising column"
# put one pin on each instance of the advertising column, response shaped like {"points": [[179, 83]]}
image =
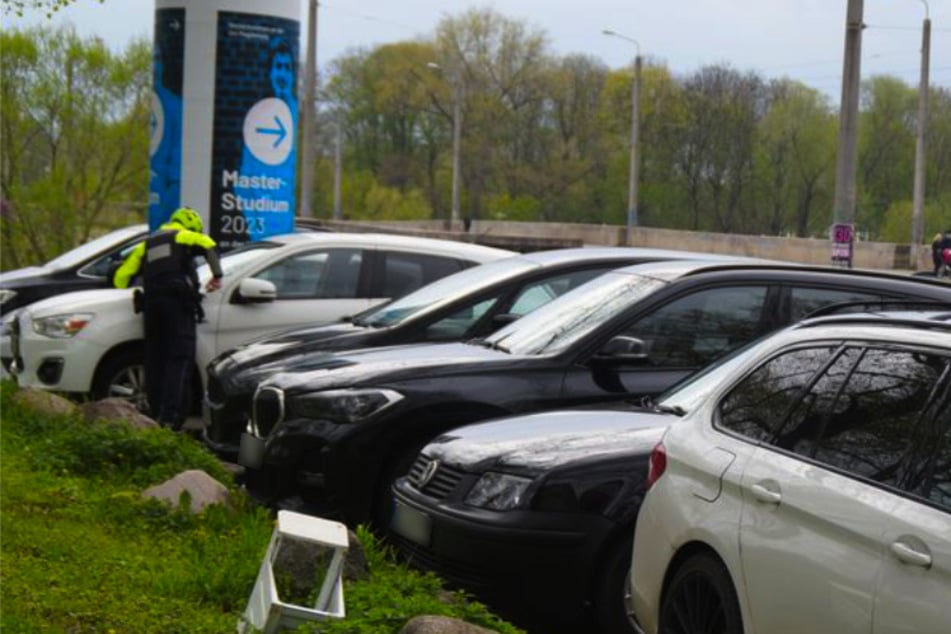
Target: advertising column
{"points": [[165, 139], [239, 127]]}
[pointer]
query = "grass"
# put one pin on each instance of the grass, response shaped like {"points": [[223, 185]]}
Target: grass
{"points": [[82, 551]]}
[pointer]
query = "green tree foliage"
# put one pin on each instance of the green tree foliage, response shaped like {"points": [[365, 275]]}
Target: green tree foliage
{"points": [[74, 124]]}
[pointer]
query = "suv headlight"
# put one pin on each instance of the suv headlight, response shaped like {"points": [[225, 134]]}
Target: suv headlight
{"points": [[62, 326], [498, 492], [342, 406], [6, 295]]}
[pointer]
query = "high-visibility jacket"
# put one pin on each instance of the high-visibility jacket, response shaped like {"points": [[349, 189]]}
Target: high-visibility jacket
{"points": [[166, 260]]}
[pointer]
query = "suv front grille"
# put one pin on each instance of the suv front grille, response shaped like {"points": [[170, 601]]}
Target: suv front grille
{"points": [[433, 478], [267, 410]]}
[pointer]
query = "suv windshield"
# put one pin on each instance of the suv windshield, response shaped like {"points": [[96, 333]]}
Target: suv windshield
{"points": [[444, 290], [557, 325]]}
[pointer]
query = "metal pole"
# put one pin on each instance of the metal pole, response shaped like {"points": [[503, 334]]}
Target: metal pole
{"points": [[918, 207], [307, 114], [456, 150], [635, 128], [635, 133], [338, 169], [844, 204]]}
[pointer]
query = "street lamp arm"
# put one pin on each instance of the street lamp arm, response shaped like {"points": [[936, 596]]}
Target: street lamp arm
{"points": [[636, 44]]}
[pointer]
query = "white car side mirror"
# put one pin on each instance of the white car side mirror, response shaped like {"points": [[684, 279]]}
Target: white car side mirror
{"points": [[255, 291]]}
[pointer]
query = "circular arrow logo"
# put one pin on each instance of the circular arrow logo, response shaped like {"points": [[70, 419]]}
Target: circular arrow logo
{"points": [[158, 124], [269, 131]]}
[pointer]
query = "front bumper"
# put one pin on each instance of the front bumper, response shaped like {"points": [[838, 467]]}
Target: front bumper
{"points": [[525, 561], [225, 418], [64, 365]]}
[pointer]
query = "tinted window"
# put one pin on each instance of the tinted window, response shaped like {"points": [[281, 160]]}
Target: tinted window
{"points": [[694, 330], [929, 473], [540, 293], [869, 427], [458, 324], [405, 272], [316, 275], [805, 300], [763, 401]]}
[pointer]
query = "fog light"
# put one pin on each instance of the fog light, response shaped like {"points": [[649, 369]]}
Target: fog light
{"points": [[50, 370]]}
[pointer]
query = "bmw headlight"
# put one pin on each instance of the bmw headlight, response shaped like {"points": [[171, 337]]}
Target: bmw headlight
{"points": [[6, 295], [498, 492], [342, 406], [62, 326]]}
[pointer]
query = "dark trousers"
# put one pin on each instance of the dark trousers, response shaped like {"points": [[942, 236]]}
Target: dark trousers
{"points": [[169, 356]]}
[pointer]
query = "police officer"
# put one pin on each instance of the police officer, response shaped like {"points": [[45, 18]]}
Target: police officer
{"points": [[166, 261]]}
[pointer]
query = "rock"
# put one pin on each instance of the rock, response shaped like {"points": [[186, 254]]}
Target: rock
{"points": [[202, 488], [117, 409], [428, 624], [355, 566], [45, 402]]}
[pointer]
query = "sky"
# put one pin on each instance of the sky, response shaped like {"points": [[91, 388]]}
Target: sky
{"points": [[800, 39]]}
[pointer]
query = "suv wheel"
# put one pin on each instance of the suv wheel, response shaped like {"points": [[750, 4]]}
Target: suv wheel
{"points": [[700, 598], [122, 376]]}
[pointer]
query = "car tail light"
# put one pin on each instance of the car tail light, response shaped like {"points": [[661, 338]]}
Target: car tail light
{"points": [[657, 465]]}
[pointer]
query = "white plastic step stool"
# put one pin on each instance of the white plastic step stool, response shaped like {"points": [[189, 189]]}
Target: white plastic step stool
{"points": [[266, 612]]}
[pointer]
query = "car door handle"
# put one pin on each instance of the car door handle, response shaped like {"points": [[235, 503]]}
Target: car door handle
{"points": [[763, 493], [910, 554]]}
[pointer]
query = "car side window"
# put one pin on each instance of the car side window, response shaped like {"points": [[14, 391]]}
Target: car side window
{"points": [[458, 324], [869, 428], [330, 274], [759, 406], [694, 330], [541, 292], [804, 300], [102, 266], [405, 272], [929, 473]]}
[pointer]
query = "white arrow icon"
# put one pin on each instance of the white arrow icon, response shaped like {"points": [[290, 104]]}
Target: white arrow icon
{"points": [[269, 131]]}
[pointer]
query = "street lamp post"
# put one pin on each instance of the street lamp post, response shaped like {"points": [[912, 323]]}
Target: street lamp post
{"points": [[454, 221], [918, 204], [635, 133]]}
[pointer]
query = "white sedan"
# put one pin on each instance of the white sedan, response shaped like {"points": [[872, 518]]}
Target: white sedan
{"points": [[809, 490], [90, 342]]}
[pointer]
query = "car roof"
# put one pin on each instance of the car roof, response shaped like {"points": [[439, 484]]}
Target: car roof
{"points": [[462, 250], [582, 254], [673, 269]]}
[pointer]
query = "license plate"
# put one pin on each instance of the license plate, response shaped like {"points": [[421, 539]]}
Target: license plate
{"points": [[412, 524], [251, 451]]}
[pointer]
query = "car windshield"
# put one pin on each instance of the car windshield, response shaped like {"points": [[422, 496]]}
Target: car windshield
{"points": [[89, 249], [239, 259], [443, 291], [557, 325]]}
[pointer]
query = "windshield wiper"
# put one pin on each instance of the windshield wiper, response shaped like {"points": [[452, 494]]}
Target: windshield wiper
{"points": [[491, 345], [649, 404]]}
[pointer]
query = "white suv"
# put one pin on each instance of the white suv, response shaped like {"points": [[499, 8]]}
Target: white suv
{"points": [[811, 491], [90, 342]]}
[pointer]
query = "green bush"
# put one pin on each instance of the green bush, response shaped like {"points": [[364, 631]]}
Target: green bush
{"points": [[82, 551]]}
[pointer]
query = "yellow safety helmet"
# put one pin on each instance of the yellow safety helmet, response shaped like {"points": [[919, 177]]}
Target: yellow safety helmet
{"points": [[188, 218]]}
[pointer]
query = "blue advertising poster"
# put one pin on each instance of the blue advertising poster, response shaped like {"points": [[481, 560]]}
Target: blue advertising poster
{"points": [[254, 146], [165, 141]]}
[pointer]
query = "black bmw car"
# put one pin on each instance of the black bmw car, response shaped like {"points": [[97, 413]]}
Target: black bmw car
{"points": [[469, 304], [340, 427]]}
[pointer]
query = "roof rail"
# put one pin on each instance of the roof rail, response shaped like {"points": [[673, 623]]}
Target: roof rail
{"points": [[879, 305]]}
